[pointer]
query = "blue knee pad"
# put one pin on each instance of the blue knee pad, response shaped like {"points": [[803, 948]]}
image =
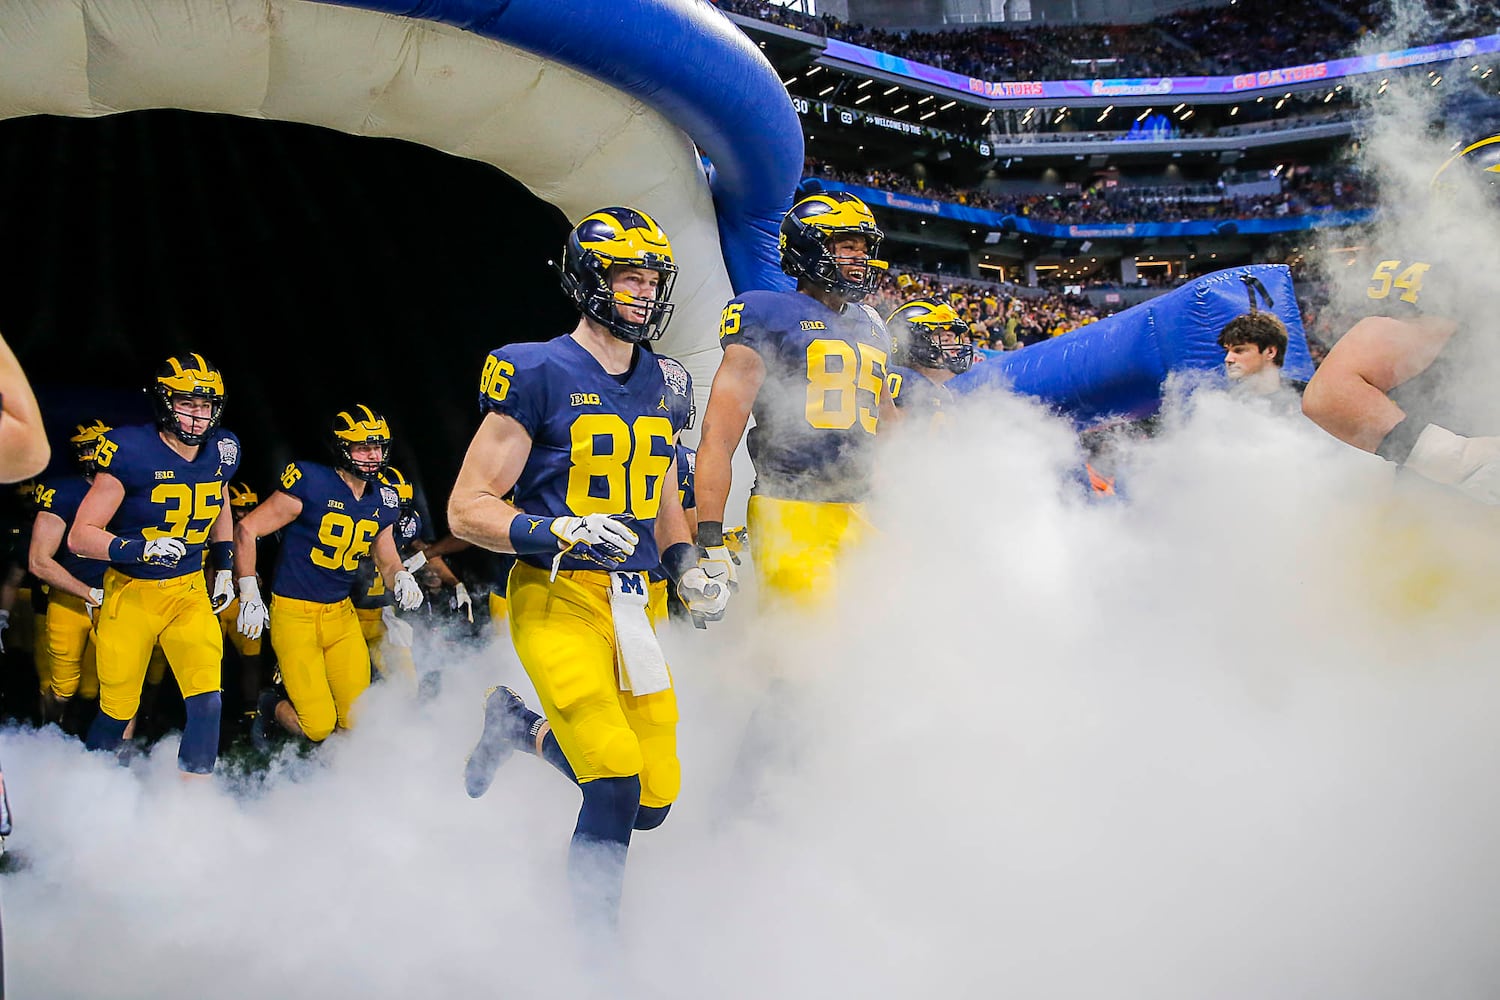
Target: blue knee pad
{"points": [[609, 809], [200, 737], [106, 733], [651, 817]]}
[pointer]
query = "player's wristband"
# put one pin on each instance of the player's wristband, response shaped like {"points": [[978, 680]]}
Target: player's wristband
{"points": [[710, 534], [221, 554], [532, 536], [1396, 446], [678, 559], [127, 550]]}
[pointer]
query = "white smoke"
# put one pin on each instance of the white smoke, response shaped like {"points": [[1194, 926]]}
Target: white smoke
{"points": [[1231, 736]]}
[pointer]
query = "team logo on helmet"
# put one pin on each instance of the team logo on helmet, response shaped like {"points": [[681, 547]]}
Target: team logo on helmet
{"points": [[181, 381], [917, 329], [808, 233], [360, 425], [619, 237]]}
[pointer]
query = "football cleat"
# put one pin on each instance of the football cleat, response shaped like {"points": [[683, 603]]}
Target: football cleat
{"points": [[507, 727]]}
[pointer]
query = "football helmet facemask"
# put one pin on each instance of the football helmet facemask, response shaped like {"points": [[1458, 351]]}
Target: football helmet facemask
{"points": [[808, 233], [619, 237], [184, 380], [356, 426], [917, 327], [405, 494], [86, 442]]}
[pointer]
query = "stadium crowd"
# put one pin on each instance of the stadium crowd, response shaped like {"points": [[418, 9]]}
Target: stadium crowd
{"points": [[1250, 34], [999, 319], [1304, 191]]}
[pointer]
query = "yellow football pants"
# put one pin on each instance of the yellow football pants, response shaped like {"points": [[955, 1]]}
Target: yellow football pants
{"points": [[796, 545], [229, 623], [383, 655], [325, 663], [565, 637], [70, 658], [498, 612], [138, 614], [657, 608]]}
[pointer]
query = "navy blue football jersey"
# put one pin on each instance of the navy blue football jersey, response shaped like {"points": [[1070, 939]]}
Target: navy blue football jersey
{"points": [[61, 497], [598, 446], [817, 412], [369, 590], [687, 471], [165, 494], [321, 550], [915, 393]]}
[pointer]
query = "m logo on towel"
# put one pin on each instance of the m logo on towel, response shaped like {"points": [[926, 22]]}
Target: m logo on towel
{"points": [[632, 583]]}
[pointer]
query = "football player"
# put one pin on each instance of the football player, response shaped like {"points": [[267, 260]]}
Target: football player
{"points": [[75, 585], [388, 637], [242, 500], [811, 365], [930, 345], [580, 428], [151, 512], [334, 516], [684, 415], [1405, 382]]}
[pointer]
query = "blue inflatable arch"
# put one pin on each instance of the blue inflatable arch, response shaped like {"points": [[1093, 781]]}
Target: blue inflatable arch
{"points": [[586, 103]]}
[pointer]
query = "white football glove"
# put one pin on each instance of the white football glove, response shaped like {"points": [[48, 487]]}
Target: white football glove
{"points": [[254, 616], [1468, 464], [223, 590], [598, 538], [397, 632], [163, 551], [718, 563], [408, 594], [94, 602], [416, 562], [703, 597], [462, 601]]}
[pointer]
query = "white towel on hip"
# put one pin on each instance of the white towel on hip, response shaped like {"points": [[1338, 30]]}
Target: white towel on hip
{"points": [[638, 658]]}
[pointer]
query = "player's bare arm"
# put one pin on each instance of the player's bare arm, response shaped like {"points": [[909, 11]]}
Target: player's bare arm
{"points": [[1347, 394], [90, 537], [46, 538], [477, 514], [736, 384], [24, 451], [387, 557]]}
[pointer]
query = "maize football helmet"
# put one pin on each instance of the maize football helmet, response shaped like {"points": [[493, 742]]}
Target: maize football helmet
{"points": [[808, 232], [242, 499], [619, 237], [355, 426], [917, 328], [179, 380], [86, 442], [1478, 159], [405, 494]]}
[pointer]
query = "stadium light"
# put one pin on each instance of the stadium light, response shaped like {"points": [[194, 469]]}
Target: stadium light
{"points": [[926, 116], [988, 117], [788, 83], [815, 69], [1178, 108], [827, 90], [863, 99], [945, 107], [1437, 80], [901, 109], [1142, 116], [1234, 111], [889, 92], [864, 85], [925, 99]]}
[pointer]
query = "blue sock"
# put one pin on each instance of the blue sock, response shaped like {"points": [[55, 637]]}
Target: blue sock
{"points": [[552, 754], [200, 737], [596, 859], [106, 733]]}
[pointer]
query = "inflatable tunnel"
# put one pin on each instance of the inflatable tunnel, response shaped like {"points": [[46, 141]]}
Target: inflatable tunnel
{"points": [[585, 103], [1115, 368]]}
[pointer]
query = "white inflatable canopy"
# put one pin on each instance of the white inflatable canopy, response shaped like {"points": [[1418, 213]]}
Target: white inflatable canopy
{"points": [[575, 142]]}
